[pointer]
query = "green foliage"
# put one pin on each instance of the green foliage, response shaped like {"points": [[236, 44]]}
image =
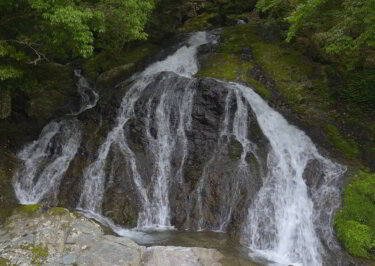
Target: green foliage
{"points": [[9, 72], [301, 15], [340, 32], [33, 31], [355, 222], [339, 27], [124, 21], [276, 7]]}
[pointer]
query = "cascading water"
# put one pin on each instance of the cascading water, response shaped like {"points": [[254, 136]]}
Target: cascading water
{"points": [[155, 203], [283, 220], [45, 160], [280, 224], [169, 134], [89, 97]]}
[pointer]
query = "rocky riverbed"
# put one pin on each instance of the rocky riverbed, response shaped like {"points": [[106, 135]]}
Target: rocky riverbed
{"points": [[33, 236]]}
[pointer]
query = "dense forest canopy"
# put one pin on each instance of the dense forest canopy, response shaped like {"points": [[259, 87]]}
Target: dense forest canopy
{"points": [[33, 31]]}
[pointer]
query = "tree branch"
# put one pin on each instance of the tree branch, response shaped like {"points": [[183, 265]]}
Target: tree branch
{"points": [[40, 55]]}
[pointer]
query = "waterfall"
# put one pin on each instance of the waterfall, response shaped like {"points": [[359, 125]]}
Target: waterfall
{"points": [[45, 160], [89, 97], [286, 222], [156, 211], [280, 223], [264, 188], [154, 198]]}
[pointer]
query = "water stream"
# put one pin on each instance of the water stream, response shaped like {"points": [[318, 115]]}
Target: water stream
{"points": [[45, 160], [286, 223], [155, 212]]}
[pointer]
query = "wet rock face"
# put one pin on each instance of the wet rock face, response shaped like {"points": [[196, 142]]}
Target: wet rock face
{"points": [[206, 164], [58, 237]]}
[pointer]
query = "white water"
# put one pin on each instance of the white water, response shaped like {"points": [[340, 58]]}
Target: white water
{"points": [[238, 131], [45, 160], [155, 211], [280, 221], [89, 97]]}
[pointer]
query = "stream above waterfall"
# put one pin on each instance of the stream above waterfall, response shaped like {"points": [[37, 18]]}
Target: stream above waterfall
{"points": [[183, 153]]}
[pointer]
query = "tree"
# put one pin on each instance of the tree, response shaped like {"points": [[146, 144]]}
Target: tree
{"points": [[338, 26], [33, 31]]}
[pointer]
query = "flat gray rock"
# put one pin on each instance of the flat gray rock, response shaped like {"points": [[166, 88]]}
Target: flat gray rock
{"points": [[59, 237]]}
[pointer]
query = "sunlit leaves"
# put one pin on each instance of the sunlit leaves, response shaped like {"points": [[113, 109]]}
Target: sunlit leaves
{"points": [[338, 26], [9, 72], [69, 28], [124, 21], [301, 14]]}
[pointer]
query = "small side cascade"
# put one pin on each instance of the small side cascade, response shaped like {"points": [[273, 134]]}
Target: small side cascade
{"points": [[89, 97], [281, 220], [45, 160]]}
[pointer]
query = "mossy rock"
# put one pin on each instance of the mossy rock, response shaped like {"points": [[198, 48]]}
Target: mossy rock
{"points": [[292, 72], [355, 222], [106, 61], [349, 148], [39, 254], [5, 262], [231, 67], [235, 149], [222, 66], [113, 76], [5, 104], [28, 209], [8, 163], [52, 92], [204, 21]]}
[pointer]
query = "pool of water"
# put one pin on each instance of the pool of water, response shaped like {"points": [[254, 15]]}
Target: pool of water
{"points": [[234, 253]]}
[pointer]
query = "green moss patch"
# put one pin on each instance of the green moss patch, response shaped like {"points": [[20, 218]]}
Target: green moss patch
{"points": [[235, 149], [349, 148], [231, 67], [105, 61], [202, 22], [4, 262], [355, 222], [40, 253], [223, 66], [28, 209], [296, 77], [288, 68], [259, 88]]}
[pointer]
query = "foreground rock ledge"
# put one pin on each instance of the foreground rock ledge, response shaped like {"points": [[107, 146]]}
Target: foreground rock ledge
{"points": [[59, 237]]}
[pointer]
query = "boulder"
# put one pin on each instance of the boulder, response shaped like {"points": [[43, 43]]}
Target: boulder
{"points": [[35, 236]]}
